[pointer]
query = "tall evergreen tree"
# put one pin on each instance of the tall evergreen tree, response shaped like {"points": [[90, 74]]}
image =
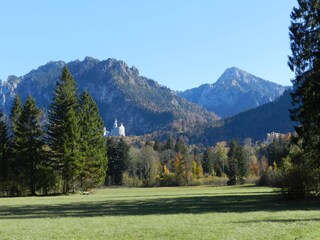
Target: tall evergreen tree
{"points": [[28, 145], [305, 63], [4, 144], [233, 163], [15, 113], [63, 129], [243, 161], [93, 164], [208, 161], [169, 144], [118, 156], [179, 147]]}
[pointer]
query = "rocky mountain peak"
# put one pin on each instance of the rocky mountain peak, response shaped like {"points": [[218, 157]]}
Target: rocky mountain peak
{"points": [[233, 74], [235, 91], [119, 91]]}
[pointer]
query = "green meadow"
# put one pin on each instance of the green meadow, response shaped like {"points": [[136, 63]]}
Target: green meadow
{"points": [[240, 212]]}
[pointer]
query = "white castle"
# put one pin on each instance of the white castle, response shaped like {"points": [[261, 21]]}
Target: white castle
{"points": [[116, 131], [272, 137]]}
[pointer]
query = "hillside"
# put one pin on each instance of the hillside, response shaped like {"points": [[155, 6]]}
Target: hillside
{"points": [[140, 103], [234, 92], [254, 123]]}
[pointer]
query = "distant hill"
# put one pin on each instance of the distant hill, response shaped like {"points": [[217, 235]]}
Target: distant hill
{"points": [[140, 103], [234, 92], [254, 123]]}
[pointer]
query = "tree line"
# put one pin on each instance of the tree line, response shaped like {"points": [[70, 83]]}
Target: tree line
{"points": [[175, 163], [66, 153]]}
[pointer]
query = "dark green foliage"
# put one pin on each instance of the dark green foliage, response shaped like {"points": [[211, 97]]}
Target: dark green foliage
{"points": [[15, 113], [237, 164], [276, 151], [169, 144], [117, 151], [27, 146], [64, 131], [157, 146], [4, 144], [233, 163], [242, 165], [305, 63], [179, 146], [208, 161], [93, 163]]}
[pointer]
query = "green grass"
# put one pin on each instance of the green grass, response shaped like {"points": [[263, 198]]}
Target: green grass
{"points": [[161, 213]]}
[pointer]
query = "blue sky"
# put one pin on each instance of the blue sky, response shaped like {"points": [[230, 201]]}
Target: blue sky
{"points": [[178, 43]]}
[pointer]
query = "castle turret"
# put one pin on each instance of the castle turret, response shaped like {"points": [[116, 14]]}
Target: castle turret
{"points": [[115, 124], [117, 130], [122, 130]]}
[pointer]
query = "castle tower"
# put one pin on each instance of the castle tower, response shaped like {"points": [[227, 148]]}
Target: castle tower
{"points": [[122, 130], [115, 124]]}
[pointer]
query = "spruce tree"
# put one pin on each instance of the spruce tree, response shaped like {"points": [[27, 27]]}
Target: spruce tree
{"points": [[169, 144], [27, 146], [12, 173], [233, 162], [15, 113], [208, 161], [4, 144], [118, 155], [305, 63], [179, 147], [63, 129], [93, 163]]}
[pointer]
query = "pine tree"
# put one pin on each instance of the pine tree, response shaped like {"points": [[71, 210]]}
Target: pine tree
{"points": [[15, 113], [63, 129], [169, 144], [93, 144], [243, 161], [157, 146], [13, 184], [208, 161], [180, 147], [4, 144], [28, 144], [305, 63], [233, 163], [118, 156]]}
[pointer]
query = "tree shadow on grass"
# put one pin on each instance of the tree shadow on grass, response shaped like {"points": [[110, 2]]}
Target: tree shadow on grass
{"points": [[159, 206]]}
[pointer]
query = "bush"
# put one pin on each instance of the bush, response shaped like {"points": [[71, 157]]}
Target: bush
{"points": [[128, 181], [168, 180], [270, 177]]}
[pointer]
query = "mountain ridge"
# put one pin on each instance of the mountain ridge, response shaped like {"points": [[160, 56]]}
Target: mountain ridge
{"points": [[140, 103], [235, 91]]}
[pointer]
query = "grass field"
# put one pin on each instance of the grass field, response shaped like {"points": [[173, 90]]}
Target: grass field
{"points": [[244, 212]]}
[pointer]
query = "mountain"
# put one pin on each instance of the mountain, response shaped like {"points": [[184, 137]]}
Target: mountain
{"points": [[120, 92], [254, 123], [235, 91]]}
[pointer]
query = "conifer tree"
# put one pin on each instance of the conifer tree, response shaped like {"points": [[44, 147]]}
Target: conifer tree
{"points": [[4, 144], [118, 155], [15, 113], [208, 161], [233, 163], [305, 63], [63, 129], [169, 144], [28, 144], [180, 147], [93, 144]]}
